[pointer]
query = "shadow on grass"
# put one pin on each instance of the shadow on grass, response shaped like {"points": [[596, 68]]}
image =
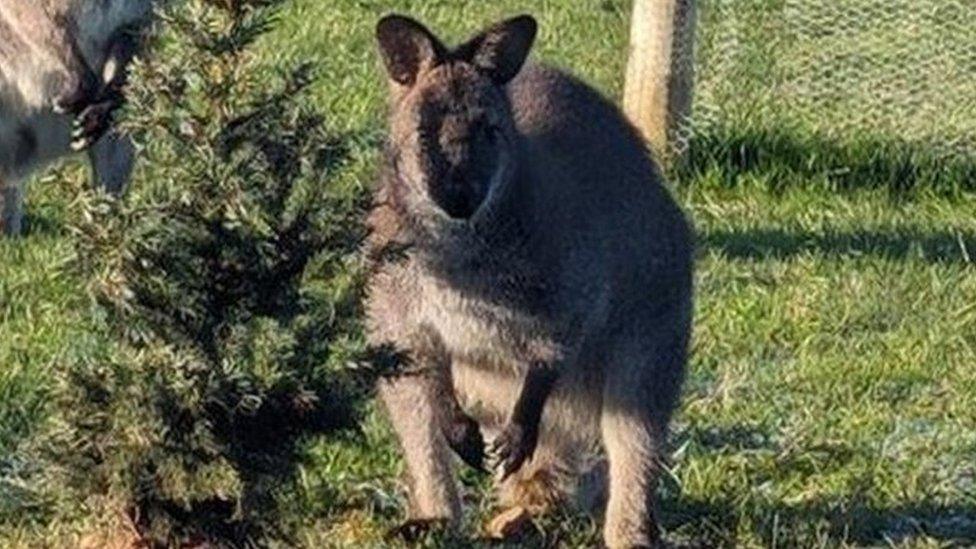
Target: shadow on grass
{"points": [[898, 244], [852, 519], [716, 523], [737, 438], [786, 158], [691, 523]]}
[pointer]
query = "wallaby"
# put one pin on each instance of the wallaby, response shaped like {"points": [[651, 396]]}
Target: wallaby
{"points": [[62, 68], [542, 276]]}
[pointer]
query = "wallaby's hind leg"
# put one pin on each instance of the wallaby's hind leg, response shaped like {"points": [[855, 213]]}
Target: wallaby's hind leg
{"points": [[10, 208], [112, 158], [637, 406], [633, 449], [409, 400]]}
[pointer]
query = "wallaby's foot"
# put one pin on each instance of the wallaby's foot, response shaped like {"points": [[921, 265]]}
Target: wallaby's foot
{"points": [[464, 437], [92, 123], [508, 524], [414, 530], [513, 447], [659, 545]]}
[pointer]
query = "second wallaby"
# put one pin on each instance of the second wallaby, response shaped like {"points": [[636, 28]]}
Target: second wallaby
{"points": [[541, 274], [62, 67]]}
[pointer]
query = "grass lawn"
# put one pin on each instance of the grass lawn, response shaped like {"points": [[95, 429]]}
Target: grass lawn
{"points": [[831, 399]]}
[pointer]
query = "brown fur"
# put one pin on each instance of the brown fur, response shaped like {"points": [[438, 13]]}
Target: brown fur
{"points": [[541, 268]]}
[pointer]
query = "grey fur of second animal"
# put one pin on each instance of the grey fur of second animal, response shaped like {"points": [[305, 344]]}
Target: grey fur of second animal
{"points": [[61, 51], [532, 264]]}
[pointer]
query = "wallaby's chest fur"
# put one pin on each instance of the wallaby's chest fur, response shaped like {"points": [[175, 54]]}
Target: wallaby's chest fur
{"points": [[485, 311]]}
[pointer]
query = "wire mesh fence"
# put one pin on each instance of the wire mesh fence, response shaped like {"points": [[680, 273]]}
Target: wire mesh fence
{"points": [[888, 82]]}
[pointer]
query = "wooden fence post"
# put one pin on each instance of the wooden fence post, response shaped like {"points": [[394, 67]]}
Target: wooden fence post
{"points": [[660, 70]]}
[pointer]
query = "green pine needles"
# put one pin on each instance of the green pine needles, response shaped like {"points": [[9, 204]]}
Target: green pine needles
{"points": [[228, 284]]}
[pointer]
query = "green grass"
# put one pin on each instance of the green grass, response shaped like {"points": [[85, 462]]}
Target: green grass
{"points": [[832, 393], [41, 312]]}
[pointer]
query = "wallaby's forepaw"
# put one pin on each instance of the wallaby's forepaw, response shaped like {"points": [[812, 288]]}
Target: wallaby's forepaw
{"points": [[414, 530], [512, 448], [464, 437], [92, 123]]}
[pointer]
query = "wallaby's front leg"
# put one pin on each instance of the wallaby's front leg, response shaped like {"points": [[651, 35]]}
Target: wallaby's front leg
{"points": [[462, 432], [518, 440]]}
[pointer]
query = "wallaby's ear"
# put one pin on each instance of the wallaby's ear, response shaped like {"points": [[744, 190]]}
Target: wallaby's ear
{"points": [[501, 50], [407, 48]]}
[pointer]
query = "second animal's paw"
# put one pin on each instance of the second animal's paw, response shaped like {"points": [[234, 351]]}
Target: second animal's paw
{"points": [[512, 448], [78, 95], [92, 123]]}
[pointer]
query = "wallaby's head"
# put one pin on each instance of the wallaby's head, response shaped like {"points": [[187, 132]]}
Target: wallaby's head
{"points": [[451, 133]]}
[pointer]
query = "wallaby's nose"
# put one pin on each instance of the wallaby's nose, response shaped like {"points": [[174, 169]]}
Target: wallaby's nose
{"points": [[453, 192]]}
